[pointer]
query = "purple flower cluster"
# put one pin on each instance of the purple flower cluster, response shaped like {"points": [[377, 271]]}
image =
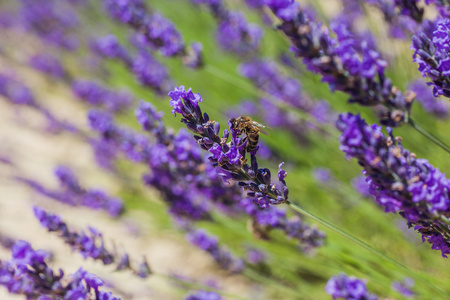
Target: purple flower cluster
{"points": [[255, 256], [6, 241], [72, 193], [156, 31], [28, 274], [50, 20], [432, 53], [404, 287], [265, 220], [322, 175], [442, 5], [351, 11], [266, 75], [348, 288], [172, 169], [236, 35], [400, 182], [361, 185], [403, 17], [345, 63], [228, 157], [109, 46], [203, 295], [15, 91], [424, 95], [89, 244], [98, 95], [147, 70], [185, 178], [233, 33], [48, 64], [114, 139], [210, 244]]}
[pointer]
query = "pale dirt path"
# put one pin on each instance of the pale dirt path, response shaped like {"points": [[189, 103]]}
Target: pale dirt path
{"points": [[35, 153]]}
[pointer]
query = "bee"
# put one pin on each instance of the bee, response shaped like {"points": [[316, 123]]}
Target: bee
{"points": [[245, 125]]}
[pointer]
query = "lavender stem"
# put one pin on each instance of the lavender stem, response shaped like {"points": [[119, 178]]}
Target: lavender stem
{"points": [[429, 135], [364, 245]]}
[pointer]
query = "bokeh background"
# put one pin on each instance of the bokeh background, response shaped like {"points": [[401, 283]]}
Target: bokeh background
{"points": [[319, 176]]}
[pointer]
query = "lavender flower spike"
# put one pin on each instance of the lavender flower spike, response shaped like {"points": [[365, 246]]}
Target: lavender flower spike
{"points": [[399, 181], [229, 157], [433, 56], [346, 64], [348, 288], [203, 295], [89, 245], [28, 274], [439, 107], [156, 31], [210, 244]]}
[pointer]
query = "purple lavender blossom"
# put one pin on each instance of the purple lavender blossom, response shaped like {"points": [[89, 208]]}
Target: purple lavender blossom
{"points": [[233, 32], [51, 20], [348, 288], [146, 69], [182, 156], [255, 3], [322, 175], [6, 241], [149, 72], [7, 19], [436, 106], [210, 244], [98, 95], [203, 295], [351, 11], [359, 73], [89, 244], [267, 76], [48, 64], [442, 6], [404, 287], [72, 193], [255, 256], [403, 17], [28, 274], [179, 152], [361, 185], [16, 92], [399, 181], [109, 46], [433, 56], [236, 35], [228, 157], [177, 165], [157, 32], [162, 33]]}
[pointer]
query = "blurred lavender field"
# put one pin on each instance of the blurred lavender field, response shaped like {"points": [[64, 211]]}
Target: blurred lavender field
{"points": [[100, 175]]}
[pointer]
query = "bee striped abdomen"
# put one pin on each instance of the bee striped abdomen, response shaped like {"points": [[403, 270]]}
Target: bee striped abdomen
{"points": [[252, 138]]}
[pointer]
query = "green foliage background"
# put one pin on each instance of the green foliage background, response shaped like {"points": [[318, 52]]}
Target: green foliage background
{"points": [[291, 274]]}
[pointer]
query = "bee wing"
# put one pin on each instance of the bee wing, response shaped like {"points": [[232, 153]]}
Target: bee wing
{"points": [[261, 127]]}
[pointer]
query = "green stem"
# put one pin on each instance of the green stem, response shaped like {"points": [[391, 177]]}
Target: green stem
{"points": [[365, 246], [429, 135]]}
